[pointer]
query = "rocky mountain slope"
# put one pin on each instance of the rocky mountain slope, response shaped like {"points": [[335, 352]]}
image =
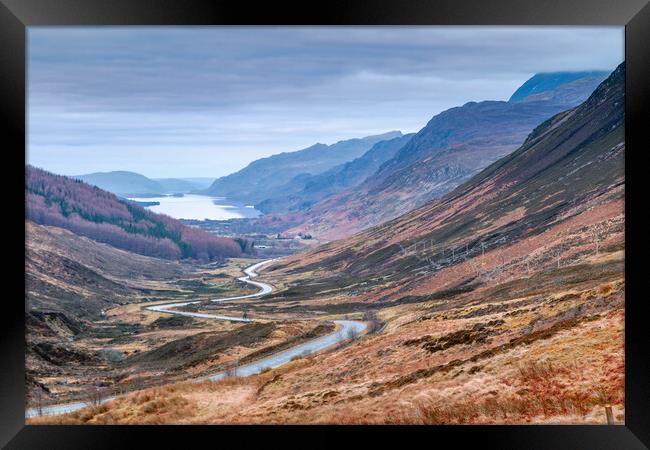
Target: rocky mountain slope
{"points": [[452, 147], [570, 166]]}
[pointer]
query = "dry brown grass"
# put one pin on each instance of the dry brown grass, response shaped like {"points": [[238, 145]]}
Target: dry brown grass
{"points": [[552, 380], [543, 392], [152, 407], [556, 356]]}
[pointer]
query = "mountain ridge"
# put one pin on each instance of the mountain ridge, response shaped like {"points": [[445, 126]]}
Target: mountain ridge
{"points": [[575, 158], [548, 81], [305, 190], [264, 178], [453, 146], [132, 184]]}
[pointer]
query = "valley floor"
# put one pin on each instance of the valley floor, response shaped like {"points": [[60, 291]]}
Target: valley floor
{"points": [[520, 346], [121, 346]]}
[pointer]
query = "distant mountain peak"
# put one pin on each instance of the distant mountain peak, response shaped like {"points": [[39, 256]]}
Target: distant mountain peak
{"points": [[549, 82], [262, 178], [388, 134], [132, 184]]}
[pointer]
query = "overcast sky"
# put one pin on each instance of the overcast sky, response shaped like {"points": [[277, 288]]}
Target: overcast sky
{"points": [[187, 101]]}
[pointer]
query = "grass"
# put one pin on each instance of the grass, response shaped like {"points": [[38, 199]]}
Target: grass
{"points": [[539, 349], [543, 392], [554, 382], [169, 404], [150, 407]]}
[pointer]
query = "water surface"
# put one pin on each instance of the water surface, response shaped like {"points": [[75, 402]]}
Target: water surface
{"points": [[199, 207]]}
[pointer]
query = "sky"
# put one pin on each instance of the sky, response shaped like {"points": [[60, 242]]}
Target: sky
{"points": [[206, 101]]}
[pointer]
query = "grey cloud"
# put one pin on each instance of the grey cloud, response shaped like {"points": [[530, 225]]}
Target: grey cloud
{"points": [[238, 93]]}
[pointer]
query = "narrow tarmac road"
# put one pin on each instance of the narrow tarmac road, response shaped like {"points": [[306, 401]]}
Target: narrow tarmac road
{"points": [[347, 329]]}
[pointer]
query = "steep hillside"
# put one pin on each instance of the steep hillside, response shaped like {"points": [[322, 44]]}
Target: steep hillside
{"points": [[569, 167], [265, 177], [89, 211], [305, 190], [78, 277], [131, 184], [452, 147]]}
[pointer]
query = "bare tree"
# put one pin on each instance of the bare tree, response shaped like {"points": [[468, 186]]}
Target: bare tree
{"points": [[95, 396], [39, 402], [373, 321], [352, 334], [232, 370], [599, 232]]}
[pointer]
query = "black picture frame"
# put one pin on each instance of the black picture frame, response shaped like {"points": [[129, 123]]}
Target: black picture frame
{"points": [[16, 15]]}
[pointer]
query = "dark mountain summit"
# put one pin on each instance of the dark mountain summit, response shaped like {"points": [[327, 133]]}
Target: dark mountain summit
{"points": [[546, 86]]}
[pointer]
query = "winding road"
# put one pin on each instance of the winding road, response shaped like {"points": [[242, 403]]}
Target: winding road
{"points": [[250, 273], [345, 330]]}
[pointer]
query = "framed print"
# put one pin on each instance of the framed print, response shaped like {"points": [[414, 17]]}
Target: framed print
{"points": [[375, 219]]}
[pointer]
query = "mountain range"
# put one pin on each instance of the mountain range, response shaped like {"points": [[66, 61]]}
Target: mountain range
{"points": [[453, 146], [304, 190], [132, 184], [504, 290], [546, 201], [501, 301], [265, 178], [347, 186]]}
